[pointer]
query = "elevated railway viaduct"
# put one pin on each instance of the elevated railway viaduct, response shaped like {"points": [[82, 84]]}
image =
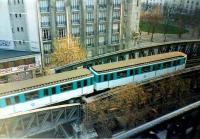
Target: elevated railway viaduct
{"points": [[54, 118]]}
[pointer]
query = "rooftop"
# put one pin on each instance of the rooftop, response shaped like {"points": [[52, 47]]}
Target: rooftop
{"points": [[6, 54], [19, 86]]}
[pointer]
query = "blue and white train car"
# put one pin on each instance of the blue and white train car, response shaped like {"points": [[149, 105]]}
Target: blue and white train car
{"points": [[137, 70], [39, 92]]}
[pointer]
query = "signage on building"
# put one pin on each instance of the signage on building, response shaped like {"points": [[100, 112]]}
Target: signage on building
{"points": [[20, 68]]}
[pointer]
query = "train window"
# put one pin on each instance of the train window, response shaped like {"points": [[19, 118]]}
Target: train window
{"points": [[91, 81], [105, 78], [131, 72], [178, 62], [154, 67], [136, 71], [8, 101], [121, 74], [159, 66], [85, 83], [53, 90], [16, 99], [66, 87], [79, 84], [166, 64], [46, 92], [111, 76], [145, 69], [31, 95]]}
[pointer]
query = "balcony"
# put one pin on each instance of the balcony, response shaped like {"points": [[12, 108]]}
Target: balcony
{"points": [[90, 45], [76, 34], [61, 24], [116, 18], [115, 41], [44, 9], [102, 6], [102, 43], [60, 9], [46, 38], [45, 24], [90, 7], [91, 20], [116, 6], [48, 51], [75, 22], [75, 8], [90, 33], [102, 31], [102, 19], [115, 30]]}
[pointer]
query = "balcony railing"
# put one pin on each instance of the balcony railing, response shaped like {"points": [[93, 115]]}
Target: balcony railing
{"points": [[75, 7], [116, 17], [44, 9], [60, 9], [75, 21], [90, 33], [90, 45], [48, 38], [76, 34], [115, 30], [45, 24], [115, 41], [102, 6], [102, 18], [116, 6], [102, 31], [90, 20], [61, 23], [102, 43], [89, 7]]}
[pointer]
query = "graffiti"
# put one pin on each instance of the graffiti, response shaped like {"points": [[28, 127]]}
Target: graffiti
{"points": [[4, 43]]}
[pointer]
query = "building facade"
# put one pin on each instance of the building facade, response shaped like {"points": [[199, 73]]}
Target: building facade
{"points": [[19, 25], [101, 25], [18, 65]]}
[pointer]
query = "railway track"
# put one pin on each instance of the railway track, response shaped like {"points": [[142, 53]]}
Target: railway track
{"points": [[195, 61]]}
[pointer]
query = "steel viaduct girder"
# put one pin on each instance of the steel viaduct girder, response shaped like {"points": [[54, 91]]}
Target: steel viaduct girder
{"points": [[190, 47], [38, 121]]}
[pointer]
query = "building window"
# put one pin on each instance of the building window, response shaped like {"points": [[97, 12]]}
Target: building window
{"points": [[90, 4], [116, 3], [22, 29], [18, 29], [102, 40], [102, 3], [90, 30], [90, 42], [115, 38], [60, 19], [75, 4], [102, 28], [44, 6], [90, 17], [16, 15], [46, 34], [75, 31], [75, 18], [61, 32], [45, 21], [116, 15], [115, 27], [60, 6], [102, 16], [47, 48]]}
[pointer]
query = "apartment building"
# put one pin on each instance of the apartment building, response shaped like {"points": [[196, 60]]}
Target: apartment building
{"points": [[19, 25], [20, 55], [101, 25]]}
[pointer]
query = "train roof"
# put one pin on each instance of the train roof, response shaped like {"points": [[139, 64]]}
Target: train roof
{"points": [[137, 61], [25, 85]]}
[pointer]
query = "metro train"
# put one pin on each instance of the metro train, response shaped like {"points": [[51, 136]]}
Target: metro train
{"points": [[43, 91]]}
